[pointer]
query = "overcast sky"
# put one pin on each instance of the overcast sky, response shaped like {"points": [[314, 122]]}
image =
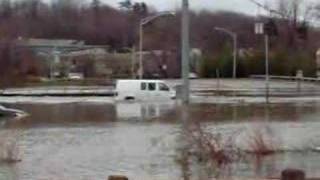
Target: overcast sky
{"points": [[236, 5], [244, 6]]}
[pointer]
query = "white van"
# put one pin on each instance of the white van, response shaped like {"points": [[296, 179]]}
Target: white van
{"points": [[143, 90]]}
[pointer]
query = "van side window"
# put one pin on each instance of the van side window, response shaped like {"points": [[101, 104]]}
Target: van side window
{"points": [[143, 86], [151, 86], [163, 87]]}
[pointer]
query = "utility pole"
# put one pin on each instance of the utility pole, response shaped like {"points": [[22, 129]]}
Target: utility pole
{"points": [[185, 69], [185, 52]]}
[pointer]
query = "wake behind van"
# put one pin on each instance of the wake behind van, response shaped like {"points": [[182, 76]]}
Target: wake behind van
{"points": [[143, 90]]}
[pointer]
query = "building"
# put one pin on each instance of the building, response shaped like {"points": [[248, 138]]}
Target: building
{"points": [[167, 64], [318, 62], [48, 43], [160, 64], [63, 57]]}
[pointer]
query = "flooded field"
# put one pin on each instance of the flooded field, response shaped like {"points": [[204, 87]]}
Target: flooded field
{"points": [[94, 140]]}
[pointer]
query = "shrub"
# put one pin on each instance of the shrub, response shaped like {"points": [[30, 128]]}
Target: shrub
{"points": [[222, 62], [211, 151]]}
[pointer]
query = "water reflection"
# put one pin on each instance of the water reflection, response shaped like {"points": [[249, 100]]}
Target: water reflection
{"points": [[87, 140], [82, 114], [143, 111]]}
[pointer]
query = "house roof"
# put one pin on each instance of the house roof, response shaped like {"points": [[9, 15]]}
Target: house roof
{"points": [[93, 51], [49, 42]]}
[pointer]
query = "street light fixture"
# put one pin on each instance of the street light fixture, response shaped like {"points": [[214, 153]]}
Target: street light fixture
{"points": [[144, 22], [235, 47]]}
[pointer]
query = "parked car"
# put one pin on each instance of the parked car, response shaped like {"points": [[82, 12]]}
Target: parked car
{"points": [[143, 90], [75, 76], [193, 76], [10, 112]]}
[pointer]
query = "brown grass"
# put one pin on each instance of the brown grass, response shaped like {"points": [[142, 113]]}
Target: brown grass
{"points": [[215, 153], [9, 147], [209, 150], [261, 144]]}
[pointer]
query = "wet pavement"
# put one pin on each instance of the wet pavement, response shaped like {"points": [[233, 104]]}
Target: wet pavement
{"points": [[94, 140], [213, 91]]}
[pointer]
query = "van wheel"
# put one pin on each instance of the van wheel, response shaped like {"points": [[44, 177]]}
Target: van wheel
{"points": [[128, 98]]}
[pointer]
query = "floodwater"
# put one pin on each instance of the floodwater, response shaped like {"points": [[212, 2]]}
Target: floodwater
{"points": [[80, 141]]}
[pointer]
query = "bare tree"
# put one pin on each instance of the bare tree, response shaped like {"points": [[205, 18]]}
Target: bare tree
{"points": [[294, 14], [5, 8]]}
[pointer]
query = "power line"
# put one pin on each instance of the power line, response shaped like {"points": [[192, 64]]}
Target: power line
{"points": [[286, 16], [267, 8]]}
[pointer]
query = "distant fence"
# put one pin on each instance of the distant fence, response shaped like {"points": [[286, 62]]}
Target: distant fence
{"points": [[289, 78]]}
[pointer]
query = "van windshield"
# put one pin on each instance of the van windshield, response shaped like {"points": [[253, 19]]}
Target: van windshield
{"points": [[163, 87]]}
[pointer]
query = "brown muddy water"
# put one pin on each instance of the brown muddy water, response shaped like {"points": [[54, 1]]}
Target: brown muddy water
{"points": [[76, 141]]}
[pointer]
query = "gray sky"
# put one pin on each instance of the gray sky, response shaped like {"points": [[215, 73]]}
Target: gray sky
{"points": [[244, 6], [236, 5]]}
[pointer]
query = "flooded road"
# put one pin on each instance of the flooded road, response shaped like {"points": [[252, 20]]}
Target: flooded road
{"points": [[92, 141]]}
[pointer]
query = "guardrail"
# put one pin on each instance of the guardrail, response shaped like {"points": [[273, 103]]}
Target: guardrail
{"points": [[292, 78]]}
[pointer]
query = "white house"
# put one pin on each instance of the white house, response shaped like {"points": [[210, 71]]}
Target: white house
{"points": [[318, 62]]}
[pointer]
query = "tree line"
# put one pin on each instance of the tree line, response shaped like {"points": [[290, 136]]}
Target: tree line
{"points": [[98, 23]]}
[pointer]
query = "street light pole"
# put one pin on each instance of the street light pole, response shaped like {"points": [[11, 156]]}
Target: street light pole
{"points": [[185, 51], [143, 22], [55, 56], [133, 61], [235, 54], [235, 48], [267, 67], [140, 50]]}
